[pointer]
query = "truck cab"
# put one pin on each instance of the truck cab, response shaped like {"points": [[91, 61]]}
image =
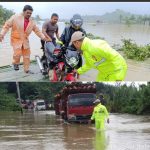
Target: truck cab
{"points": [[80, 106], [74, 103]]}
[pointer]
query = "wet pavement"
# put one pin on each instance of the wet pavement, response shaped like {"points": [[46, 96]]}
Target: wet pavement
{"points": [[45, 131], [137, 71]]}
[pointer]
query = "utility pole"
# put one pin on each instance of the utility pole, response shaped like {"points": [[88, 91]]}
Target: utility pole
{"points": [[19, 97]]}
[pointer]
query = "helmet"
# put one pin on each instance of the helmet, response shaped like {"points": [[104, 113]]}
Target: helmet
{"points": [[76, 21]]}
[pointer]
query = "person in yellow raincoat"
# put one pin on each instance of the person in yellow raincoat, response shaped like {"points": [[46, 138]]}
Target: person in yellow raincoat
{"points": [[99, 55], [22, 25], [100, 113]]}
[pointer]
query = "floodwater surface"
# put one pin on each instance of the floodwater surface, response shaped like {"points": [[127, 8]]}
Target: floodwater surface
{"points": [[137, 70], [45, 131]]}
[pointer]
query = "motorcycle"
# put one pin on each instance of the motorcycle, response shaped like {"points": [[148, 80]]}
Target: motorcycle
{"points": [[71, 58], [61, 68]]}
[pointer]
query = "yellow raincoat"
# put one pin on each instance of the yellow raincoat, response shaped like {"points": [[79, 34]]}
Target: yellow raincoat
{"points": [[100, 113], [99, 55]]}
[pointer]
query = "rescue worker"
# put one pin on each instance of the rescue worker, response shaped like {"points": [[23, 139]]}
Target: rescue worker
{"points": [[76, 23], [99, 55], [100, 113], [22, 25]]}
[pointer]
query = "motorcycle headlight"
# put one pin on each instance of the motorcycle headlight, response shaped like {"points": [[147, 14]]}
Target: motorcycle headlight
{"points": [[72, 61]]}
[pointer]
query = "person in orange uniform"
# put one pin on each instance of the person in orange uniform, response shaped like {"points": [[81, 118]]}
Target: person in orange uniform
{"points": [[22, 25]]}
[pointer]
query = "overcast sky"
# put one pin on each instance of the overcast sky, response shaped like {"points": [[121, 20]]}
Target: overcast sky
{"points": [[67, 9]]}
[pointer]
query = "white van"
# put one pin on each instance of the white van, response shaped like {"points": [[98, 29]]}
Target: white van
{"points": [[40, 105]]}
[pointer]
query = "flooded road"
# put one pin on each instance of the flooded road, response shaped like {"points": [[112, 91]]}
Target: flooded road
{"points": [[113, 33], [137, 70], [45, 131]]}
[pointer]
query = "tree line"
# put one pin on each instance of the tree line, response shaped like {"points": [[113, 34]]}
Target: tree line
{"points": [[28, 91], [126, 99], [5, 14], [118, 98], [135, 19]]}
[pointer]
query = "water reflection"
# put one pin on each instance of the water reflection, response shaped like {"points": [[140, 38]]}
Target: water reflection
{"points": [[100, 141], [45, 131], [78, 136]]}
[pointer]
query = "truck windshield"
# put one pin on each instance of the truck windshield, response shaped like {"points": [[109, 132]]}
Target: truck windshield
{"points": [[81, 100]]}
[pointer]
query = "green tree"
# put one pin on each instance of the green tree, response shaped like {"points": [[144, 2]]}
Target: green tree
{"points": [[7, 100], [5, 14]]}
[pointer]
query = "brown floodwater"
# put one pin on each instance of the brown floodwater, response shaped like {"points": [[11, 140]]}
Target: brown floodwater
{"points": [[45, 131], [137, 70]]}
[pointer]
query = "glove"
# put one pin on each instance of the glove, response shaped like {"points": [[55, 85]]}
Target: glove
{"points": [[60, 43]]}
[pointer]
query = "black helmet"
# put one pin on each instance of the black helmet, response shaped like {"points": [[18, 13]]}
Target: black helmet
{"points": [[76, 21]]}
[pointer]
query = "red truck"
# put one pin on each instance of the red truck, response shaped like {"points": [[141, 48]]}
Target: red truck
{"points": [[75, 102]]}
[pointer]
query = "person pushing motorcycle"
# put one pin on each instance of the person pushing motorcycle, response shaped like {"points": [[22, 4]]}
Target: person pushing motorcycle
{"points": [[99, 55], [49, 29]]}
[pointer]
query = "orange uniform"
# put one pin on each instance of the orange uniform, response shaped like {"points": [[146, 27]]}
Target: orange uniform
{"points": [[19, 38]]}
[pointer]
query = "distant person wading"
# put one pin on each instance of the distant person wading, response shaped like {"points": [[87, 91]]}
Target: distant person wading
{"points": [[100, 113]]}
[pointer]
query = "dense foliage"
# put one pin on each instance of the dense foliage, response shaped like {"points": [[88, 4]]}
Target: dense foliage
{"points": [[7, 100], [133, 51], [119, 98], [5, 14], [126, 99]]}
